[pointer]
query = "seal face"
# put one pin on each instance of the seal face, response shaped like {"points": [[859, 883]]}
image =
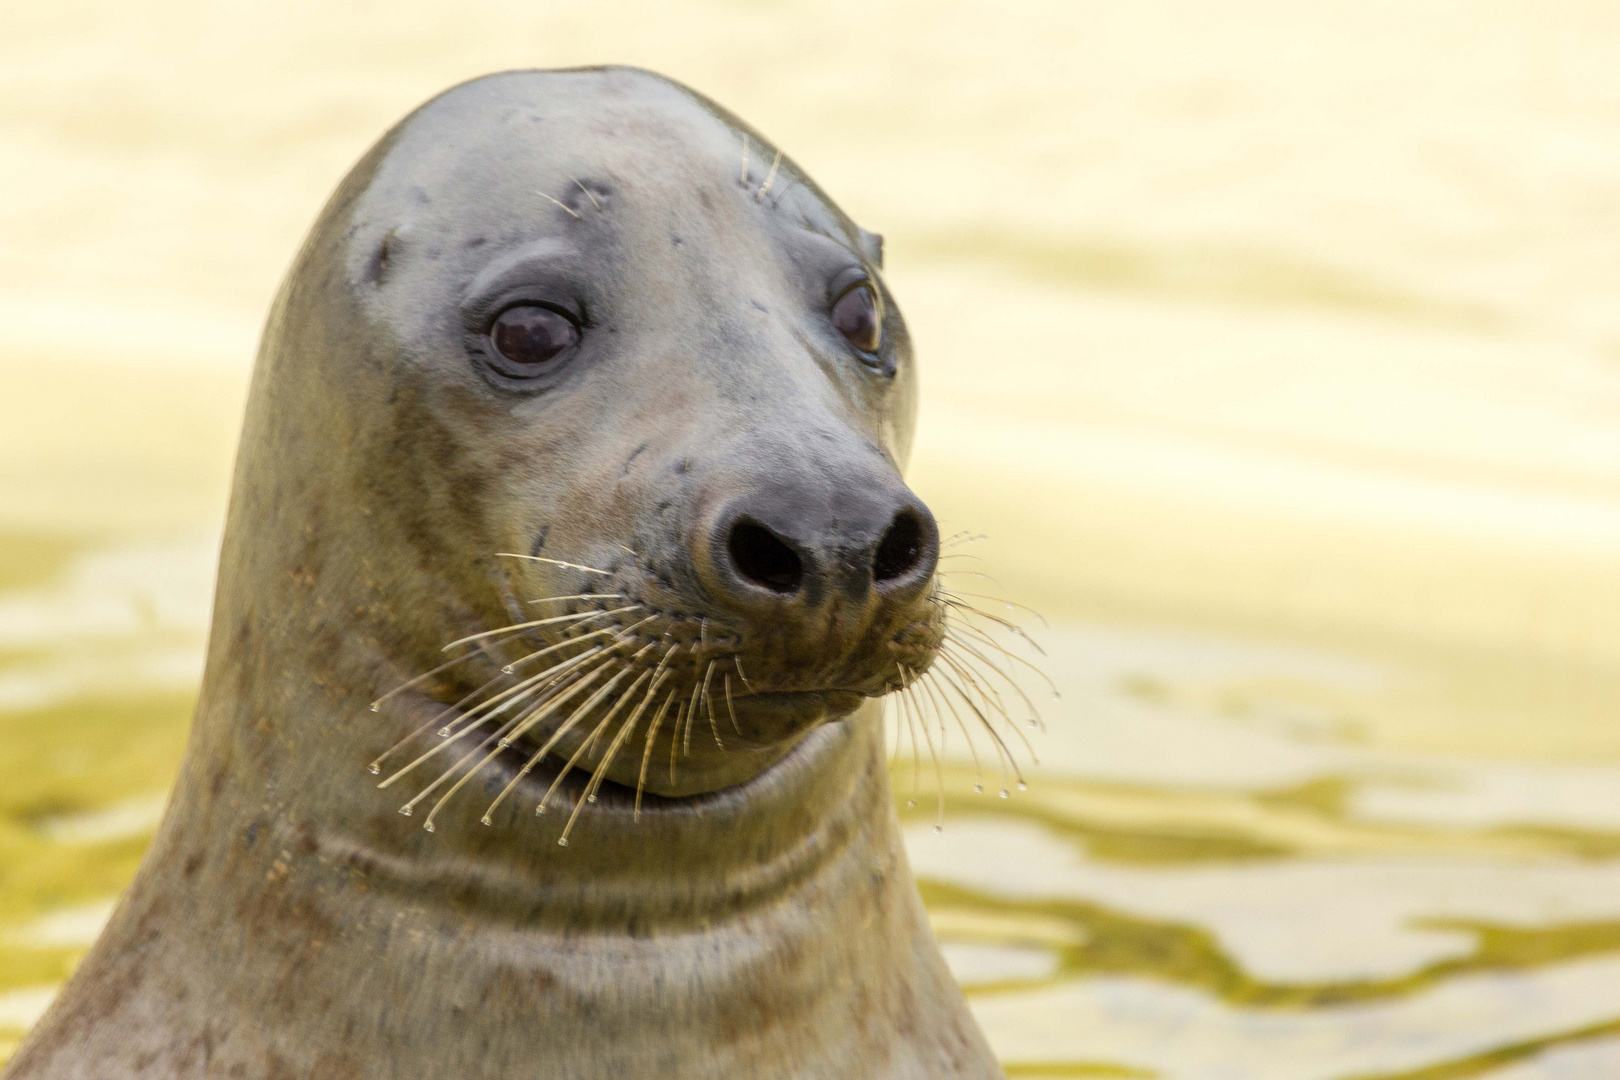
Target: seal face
{"points": [[655, 350], [581, 376]]}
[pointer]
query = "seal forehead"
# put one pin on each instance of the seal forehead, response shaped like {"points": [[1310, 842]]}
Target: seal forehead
{"points": [[654, 189], [513, 134]]}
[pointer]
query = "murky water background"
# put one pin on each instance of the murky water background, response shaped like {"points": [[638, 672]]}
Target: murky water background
{"points": [[1275, 346]]}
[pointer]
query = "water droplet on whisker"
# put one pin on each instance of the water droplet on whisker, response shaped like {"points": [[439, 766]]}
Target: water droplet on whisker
{"points": [[429, 827], [374, 768], [444, 732], [541, 809], [911, 802], [939, 828], [507, 670], [485, 820], [1030, 722], [376, 705], [978, 789], [562, 841], [406, 810], [1022, 786], [1004, 793], [590, 798]]}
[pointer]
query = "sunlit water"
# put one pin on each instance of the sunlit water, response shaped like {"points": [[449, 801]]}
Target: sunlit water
{"points": [[1275, 346]]}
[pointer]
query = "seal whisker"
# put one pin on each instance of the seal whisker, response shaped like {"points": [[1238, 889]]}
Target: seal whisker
{"points": [[954, 594], [957, 627], [939, 775], [451, 771], [985, 689], [450, 739], [376, 764], [500, 737], [894, 700], [952, 641], [578, 596], [692, 710], [607, 651], [963, 612], [590, 743], [619, 739], [730, 711], [675, 739], [503, 738], [564, 206], [742, 177], [376, 704], [906, 710], [572, 636], [737, 661], [967, 573], [534, 717], [578, 639], [660, 673], [564, 728], [969, 609], [554, 562], [769, 177], [966, 536], [646, 754], [708, 703], [535, 684], [572, 617], [1001, 706], [943, 702], [1034, 713], [584, 748], [588, 194], [527, 688], [574, 718], [1004, 754]]}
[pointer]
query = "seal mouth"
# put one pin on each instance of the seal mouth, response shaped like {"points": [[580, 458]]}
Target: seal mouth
{"points": [[553, 778], [652, 709], [742, 721], [557, 788]]}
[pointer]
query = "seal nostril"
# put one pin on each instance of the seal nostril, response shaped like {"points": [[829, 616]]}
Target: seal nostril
{"points": [[900, 550], [762, 558]]}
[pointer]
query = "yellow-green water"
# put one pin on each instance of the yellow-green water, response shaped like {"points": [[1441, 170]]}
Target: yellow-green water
{"points": [[1274, 345]]}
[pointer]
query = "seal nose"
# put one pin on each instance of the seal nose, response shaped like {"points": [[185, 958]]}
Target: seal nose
{"points": [[796, 546]]}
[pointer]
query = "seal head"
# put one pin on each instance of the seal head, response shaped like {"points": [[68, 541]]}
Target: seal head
{"points": [[579, 371], [622, 332]]}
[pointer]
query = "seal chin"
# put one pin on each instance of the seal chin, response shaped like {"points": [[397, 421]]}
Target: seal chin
{"points": [[768, 718], [741, 740], [618, 794]]}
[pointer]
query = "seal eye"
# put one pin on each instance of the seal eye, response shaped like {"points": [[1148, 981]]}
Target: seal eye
{"points": [[529, 337], [855, 315]]}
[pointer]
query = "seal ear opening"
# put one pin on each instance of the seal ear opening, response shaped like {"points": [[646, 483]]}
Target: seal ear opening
{"points": [[871, 244]]}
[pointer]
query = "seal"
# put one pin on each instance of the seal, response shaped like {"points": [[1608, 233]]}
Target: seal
{"points": [[579, 374]]}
